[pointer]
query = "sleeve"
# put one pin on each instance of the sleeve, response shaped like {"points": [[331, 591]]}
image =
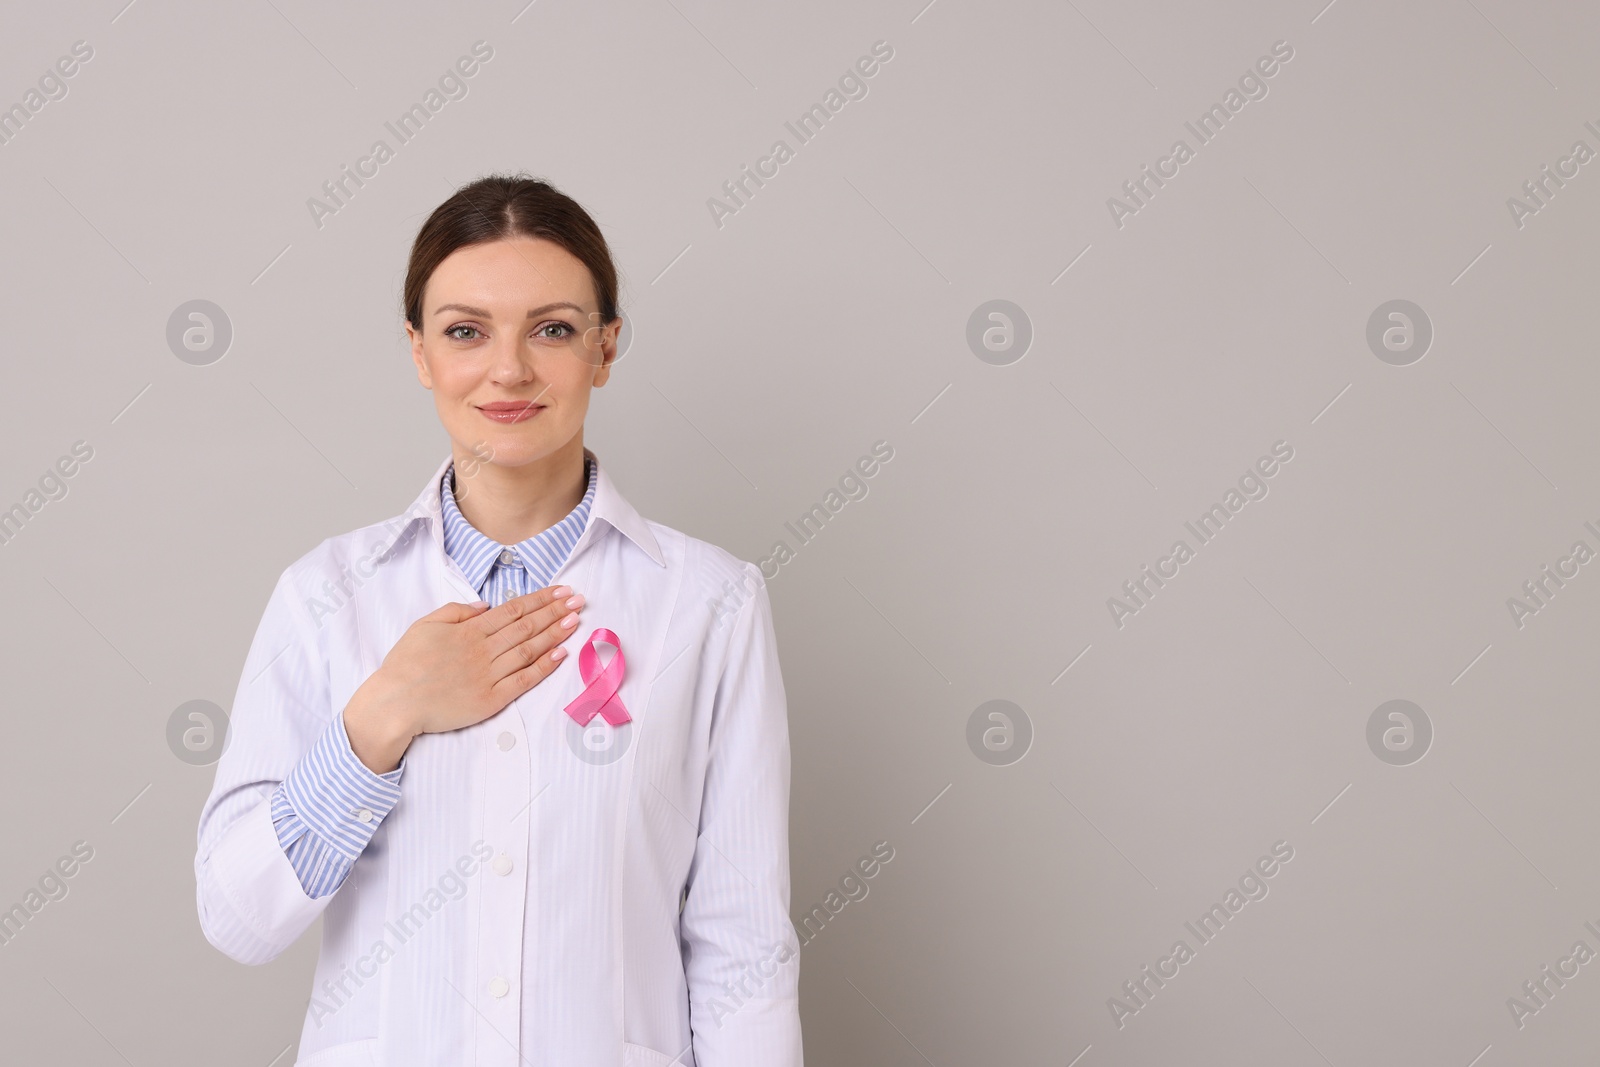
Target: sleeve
{"points": [[741, 953], [328, 808], [251, 901]]}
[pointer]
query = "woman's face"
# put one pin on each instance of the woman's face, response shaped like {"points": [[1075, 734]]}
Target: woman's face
{"points": [[510, 343]]}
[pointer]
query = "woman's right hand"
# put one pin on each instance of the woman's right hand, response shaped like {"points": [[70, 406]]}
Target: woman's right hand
{"points": [[455, 667]]}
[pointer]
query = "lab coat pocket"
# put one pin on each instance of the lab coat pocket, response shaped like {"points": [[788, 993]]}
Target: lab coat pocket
{"points": [[362, 1053], [640, 1056]]}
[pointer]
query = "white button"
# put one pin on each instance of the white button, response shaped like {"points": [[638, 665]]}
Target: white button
{"points": [[499, 987], [507, 741], [508, 556], [363, 814], [502, 864]]}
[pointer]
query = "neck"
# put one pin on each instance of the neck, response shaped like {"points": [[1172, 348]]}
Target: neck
{"points": [[512, 504]]}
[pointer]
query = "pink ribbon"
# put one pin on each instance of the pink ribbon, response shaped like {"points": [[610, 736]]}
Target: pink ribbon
{"points": [[601, 685]]}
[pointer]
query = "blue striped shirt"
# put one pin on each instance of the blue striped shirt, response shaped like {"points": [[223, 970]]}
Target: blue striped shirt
{"points": [[327, 809]]}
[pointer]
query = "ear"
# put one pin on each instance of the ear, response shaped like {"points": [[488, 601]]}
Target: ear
{"points": [[415, 335], [608, 349]]}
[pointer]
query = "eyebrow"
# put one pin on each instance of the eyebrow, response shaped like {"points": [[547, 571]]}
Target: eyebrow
{"points": [[482, 314]]}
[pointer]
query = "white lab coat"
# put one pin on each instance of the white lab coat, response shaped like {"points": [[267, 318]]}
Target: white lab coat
{"points": [[521, 903]]}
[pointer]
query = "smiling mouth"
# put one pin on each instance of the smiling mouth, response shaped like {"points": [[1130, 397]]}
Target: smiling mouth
{"points": [[510, 412]]}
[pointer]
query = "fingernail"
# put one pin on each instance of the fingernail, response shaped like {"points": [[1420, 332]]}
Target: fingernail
{"points": [[560, 591], [576, 602], [559, 653], [479, 604], [570, 621]]}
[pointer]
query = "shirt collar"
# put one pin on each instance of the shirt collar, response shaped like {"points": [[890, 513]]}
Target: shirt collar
{"points": [[475, 552], [608, 509]]}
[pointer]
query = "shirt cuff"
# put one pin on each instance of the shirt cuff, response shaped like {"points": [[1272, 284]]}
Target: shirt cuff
{"points": [[338, 798]]}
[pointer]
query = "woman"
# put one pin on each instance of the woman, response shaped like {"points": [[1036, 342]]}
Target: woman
{"points": [[519, 859]]}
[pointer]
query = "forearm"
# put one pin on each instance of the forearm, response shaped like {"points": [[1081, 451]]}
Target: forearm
{"points": [[328, 808], [378, 730]]}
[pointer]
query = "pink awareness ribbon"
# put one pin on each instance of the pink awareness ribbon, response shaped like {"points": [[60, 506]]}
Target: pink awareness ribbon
{"points": [[600, 685]]}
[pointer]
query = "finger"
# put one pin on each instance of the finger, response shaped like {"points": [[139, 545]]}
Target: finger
{"points": [[497, 619], [455, 612], [521, 680], [537, 643], [534, 620]]}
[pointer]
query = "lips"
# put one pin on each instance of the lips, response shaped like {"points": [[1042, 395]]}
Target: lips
{"points": [[505, 411]]}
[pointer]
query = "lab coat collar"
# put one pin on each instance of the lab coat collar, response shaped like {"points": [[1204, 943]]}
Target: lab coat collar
{"points": [[609, 507]]}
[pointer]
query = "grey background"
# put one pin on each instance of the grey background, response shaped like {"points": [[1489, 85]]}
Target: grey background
{"points": [[768, 355]]}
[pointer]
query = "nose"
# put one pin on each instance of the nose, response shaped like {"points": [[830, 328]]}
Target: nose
{"points": [[512, 363]]}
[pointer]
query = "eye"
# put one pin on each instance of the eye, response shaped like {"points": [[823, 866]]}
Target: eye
{"points": [[568, 331], [451, 332]]}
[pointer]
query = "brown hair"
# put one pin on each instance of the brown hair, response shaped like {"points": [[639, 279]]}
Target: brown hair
{"points": [[499, 206]]}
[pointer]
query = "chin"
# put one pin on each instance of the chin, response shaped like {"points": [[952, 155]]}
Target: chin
{"points": [[509, 447]]}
